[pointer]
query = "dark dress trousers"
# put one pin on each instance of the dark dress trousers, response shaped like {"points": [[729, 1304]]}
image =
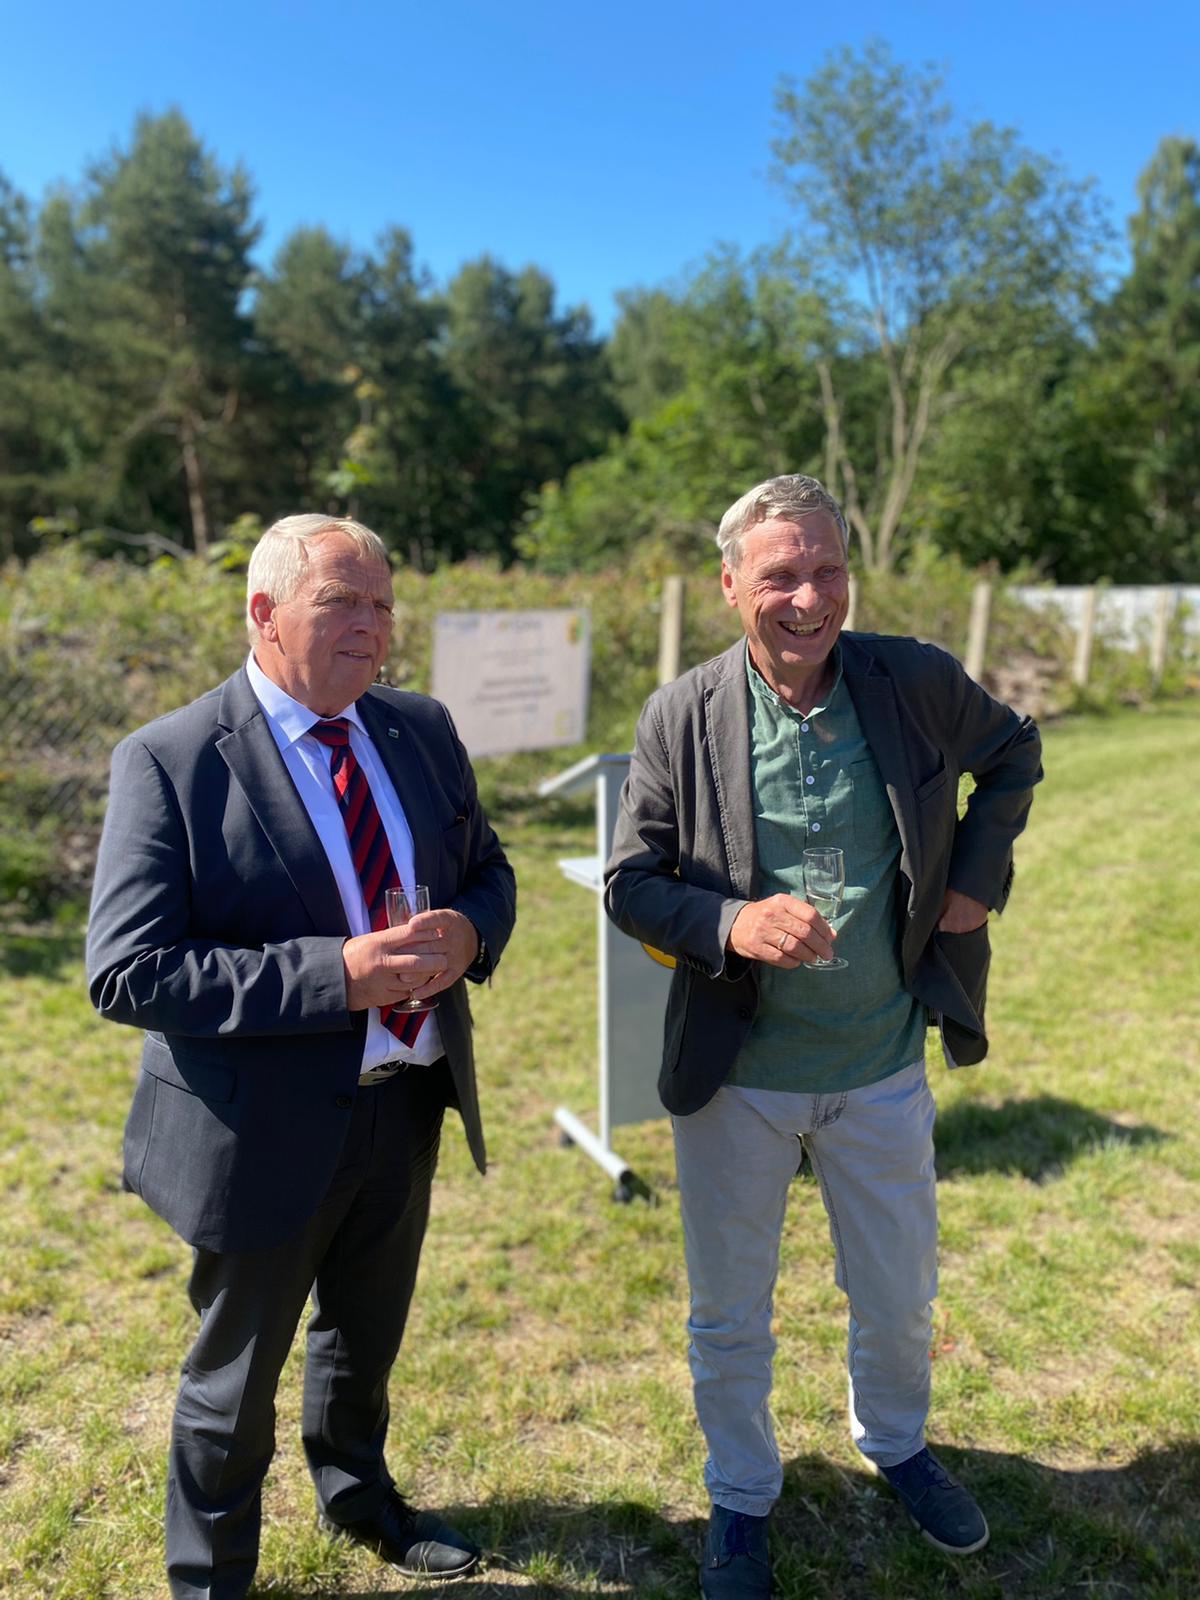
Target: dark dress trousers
{"points": [[217, 927]]}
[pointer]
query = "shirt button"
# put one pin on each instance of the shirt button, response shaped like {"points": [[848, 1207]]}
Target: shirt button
{"points": [[816, 827], [343, 1102], [810, 779], [804, 727]]}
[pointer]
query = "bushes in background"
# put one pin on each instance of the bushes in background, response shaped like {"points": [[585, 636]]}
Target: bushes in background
{"points": [[92, 648]]}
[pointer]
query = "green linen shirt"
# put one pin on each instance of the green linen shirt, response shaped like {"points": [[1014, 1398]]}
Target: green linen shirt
{"points": [[815, 782]]}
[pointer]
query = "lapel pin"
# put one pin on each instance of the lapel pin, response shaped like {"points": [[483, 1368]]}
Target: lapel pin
{"points": [[393, 733]]}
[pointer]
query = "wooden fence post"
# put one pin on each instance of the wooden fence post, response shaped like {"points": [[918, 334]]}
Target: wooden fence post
{"points": [[670, 629], [977, 629], [1158, 639], [1083, 641]]}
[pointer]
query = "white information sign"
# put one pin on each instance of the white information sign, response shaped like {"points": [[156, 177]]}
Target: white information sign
{"points": [[513, 680]]}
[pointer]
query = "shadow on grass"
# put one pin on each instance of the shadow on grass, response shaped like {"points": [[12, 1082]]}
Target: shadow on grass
{"points": [[842, 1535], [537, 1547], [1129, 1530], [35, 954], [1036, 1138]]}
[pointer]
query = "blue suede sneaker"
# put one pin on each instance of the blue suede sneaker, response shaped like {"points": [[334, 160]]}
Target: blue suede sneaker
{"points": [[736, 1564], [943, 1510]]}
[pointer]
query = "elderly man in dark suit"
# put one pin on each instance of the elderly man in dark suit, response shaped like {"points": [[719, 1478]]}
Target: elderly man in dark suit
{"points": [[288, 1110], [801, 738]]}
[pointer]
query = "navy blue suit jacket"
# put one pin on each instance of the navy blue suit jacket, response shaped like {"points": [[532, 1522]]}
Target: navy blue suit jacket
{"points": [[217, 927]]}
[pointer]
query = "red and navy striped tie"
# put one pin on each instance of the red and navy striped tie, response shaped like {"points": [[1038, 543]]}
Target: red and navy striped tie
{"points": [[369, 848]]}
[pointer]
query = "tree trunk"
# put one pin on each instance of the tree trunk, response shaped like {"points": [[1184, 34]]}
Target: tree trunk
{"points": [[194, 474], [838, 464]]}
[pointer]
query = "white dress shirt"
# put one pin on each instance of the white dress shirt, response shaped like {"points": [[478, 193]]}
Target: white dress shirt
{"points": [[308, 762]]}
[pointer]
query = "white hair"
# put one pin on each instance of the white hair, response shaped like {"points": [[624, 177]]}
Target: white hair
{"points": [[789, 498], [279, 561]]}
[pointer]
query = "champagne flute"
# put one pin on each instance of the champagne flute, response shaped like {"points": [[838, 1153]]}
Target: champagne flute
{"points": [[825, 884], [401, 905]]}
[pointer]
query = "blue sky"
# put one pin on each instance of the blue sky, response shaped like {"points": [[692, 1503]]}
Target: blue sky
{"points": [[613, 145]]}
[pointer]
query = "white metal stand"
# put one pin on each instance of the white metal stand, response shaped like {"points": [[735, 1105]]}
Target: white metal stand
{"points": [[632, 989]]}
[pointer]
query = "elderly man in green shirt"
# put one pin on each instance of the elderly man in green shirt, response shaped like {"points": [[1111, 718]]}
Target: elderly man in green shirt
{"points": [[802, 736]]}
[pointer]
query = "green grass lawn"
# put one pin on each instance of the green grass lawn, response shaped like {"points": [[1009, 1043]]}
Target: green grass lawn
{"points": [[542, 1398]]}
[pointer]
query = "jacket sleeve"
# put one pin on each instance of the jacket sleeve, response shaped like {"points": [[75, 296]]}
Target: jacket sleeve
{"points": [[1002, 751], [644, 893], [142, 966]]}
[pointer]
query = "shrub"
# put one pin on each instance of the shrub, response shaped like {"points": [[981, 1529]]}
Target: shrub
{"points": [[95, 647]]}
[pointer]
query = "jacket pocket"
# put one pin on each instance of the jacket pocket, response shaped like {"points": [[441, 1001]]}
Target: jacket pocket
{"points": [[209, 1080], [454, 846], [968, 956], [926, 791]]}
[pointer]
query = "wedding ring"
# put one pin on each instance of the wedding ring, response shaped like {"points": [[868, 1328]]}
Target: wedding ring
{"points": [[782, 937]]}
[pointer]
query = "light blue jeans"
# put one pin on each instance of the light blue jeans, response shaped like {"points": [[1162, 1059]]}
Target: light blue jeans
{"points": [[872, 1152]]}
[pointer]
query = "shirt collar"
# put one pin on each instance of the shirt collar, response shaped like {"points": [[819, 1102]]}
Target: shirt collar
{"points": [[764, 691], [290, 717]]}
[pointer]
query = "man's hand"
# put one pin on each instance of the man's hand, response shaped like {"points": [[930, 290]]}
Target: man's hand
{"points": [[429, 953], [961, 914], [781, 932], [458, 940]]}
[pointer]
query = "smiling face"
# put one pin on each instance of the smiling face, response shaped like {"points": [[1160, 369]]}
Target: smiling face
{"points": [[325, 646], [792, 592]]}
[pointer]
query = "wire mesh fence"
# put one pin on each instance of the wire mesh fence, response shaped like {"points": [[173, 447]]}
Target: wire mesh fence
{"points": [[54, 771]]}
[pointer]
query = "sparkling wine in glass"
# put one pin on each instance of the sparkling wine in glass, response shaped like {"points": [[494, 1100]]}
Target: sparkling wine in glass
{"points": [[401, 905], [824, 886]]}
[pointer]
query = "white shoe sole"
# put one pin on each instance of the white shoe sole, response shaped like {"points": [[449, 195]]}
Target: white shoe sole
{"points": [[950, 1549], [946, 1549]]}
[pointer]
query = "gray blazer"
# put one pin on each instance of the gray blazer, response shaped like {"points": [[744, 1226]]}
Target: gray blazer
{"points": [[216, 925], [684, 861]]}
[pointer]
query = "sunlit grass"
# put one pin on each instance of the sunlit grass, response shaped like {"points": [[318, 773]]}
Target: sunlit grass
{"points": [[542, 1398]]}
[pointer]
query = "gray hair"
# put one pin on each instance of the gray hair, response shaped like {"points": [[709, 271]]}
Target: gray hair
{"points": [[789, 498], [279, 561]]}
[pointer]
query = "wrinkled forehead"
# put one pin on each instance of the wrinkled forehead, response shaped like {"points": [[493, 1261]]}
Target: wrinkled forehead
{"points": [[333, 558], [811, 536]]}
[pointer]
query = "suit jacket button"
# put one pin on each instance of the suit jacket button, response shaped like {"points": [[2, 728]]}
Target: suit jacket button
{"points": [[742, 1013], [344, 1102]]}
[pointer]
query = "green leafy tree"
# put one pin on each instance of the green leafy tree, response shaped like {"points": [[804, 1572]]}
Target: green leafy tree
{"points": [[647, 352], [351, 346], [533, 397], [310, 338], [1150, 356], [399, 460], [26, 426], [1023, 469], [147, 278], [954, 247], [730, 394]]}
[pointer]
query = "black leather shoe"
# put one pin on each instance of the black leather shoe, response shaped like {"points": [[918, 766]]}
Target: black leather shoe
{"points": [[417, 1542], [736, 1563]]}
